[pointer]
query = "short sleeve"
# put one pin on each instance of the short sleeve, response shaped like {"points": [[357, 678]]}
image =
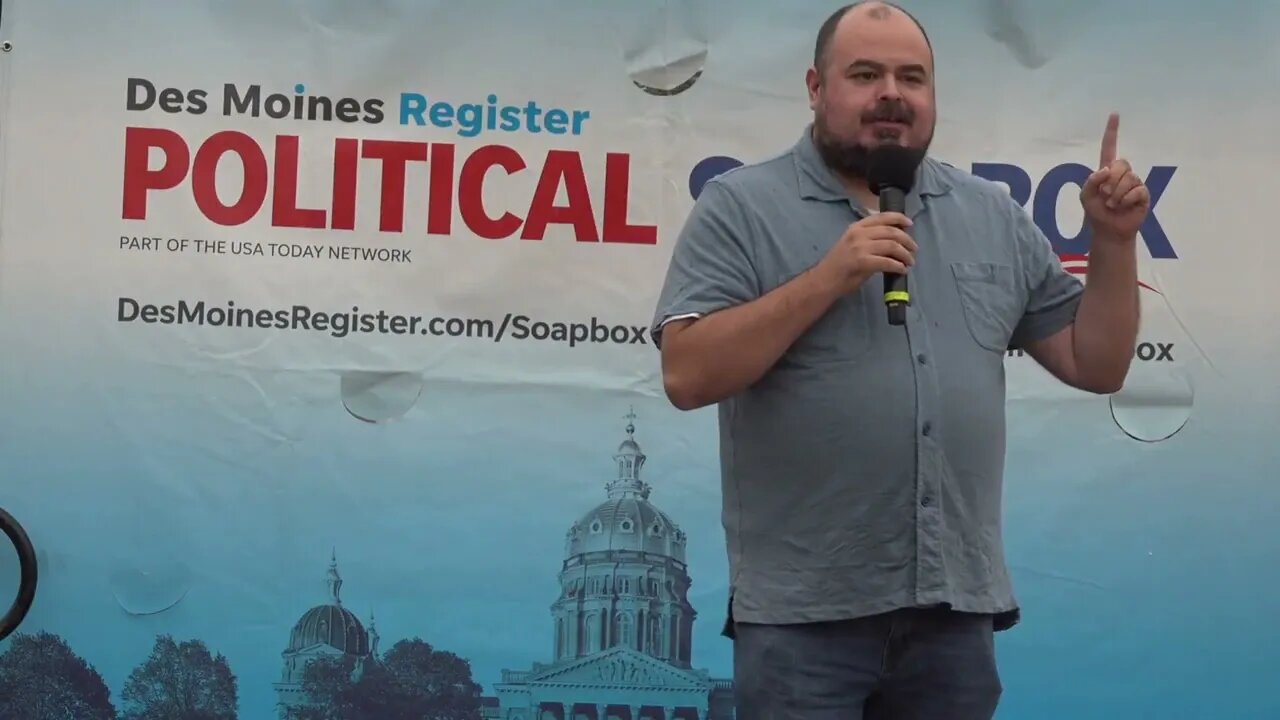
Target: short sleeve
{"points": [[711, 267], [1052, 293]]}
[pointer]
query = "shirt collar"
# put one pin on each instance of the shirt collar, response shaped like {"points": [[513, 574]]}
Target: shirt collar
{"points": [[817, 182]]}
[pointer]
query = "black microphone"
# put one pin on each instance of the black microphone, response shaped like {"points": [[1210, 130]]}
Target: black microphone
{"points": [[891, 172]]}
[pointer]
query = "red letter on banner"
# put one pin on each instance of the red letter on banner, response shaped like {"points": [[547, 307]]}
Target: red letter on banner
{"points": [[138, 178], [345, 171], [284, 194], [562, 166], [471, 191], [395, 155], [440, 193], [617, 199], [204, 178]]}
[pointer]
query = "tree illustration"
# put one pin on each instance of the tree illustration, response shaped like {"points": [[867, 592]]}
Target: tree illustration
{"points": [[341, 689], [431, 683], [42, 679], [181, 681], [412, 679]]}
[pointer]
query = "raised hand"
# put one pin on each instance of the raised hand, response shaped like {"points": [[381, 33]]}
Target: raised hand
{"points": [[1114, 199]]}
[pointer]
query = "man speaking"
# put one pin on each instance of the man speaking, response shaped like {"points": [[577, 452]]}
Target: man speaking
{"points": [[862, 460]]}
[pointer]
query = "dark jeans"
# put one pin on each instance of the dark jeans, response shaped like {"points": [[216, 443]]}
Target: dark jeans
{"points": [[928, 664]]}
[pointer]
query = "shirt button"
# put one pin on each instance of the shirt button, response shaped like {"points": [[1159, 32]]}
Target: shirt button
{"points": [[926, 428], [926, 501], [920, 358]]}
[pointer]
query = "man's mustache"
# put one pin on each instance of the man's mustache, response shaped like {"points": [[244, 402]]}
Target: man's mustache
{"points": [[890, 112]]}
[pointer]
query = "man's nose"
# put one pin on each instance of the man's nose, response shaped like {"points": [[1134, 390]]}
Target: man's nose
{"points": [[889, 88]]}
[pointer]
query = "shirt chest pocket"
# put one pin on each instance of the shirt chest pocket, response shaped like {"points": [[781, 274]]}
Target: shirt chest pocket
{"points": [[990, 300]]}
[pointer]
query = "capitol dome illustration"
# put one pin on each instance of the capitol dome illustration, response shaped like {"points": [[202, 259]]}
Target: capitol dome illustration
{"points": [[327, 630], [622, 626]]}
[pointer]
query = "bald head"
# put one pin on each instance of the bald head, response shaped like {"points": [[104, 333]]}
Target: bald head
{"points": [[878, 12]]}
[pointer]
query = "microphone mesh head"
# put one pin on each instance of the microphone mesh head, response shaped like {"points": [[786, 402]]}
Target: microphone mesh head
{"points": [[892, 165]]}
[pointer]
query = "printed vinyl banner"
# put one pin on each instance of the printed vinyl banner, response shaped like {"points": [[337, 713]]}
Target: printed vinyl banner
{"points": [[328, 392]]}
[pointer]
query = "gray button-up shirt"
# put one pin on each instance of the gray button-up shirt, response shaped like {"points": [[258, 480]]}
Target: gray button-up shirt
{"points": [[864, 472]]}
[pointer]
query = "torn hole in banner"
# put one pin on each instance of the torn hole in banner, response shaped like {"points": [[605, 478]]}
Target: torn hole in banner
{"points": [[1154, 404], [150, 589], [375, 396], [664, 45], [1156, 400]]}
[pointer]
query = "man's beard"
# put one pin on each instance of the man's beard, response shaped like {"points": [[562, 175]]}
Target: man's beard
{"points": [[852, 159]]}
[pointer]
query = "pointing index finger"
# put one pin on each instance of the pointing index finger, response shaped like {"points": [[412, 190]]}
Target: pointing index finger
{"points": [[1109, 140]]}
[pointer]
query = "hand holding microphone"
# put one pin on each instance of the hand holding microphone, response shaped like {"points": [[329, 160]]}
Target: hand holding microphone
{"points": [[876, 244], [880, 243]]}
